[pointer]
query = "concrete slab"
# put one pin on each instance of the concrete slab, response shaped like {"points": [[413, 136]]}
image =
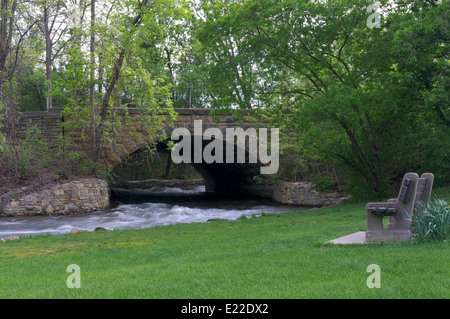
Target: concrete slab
{"points": [[355, 238]]}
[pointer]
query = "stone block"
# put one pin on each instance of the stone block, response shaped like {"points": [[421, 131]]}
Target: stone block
{"points": [[77, 196], [305, 194]]}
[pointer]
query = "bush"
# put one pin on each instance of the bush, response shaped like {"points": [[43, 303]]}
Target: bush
{"points": [[434, 223], [324, 183], [31, 163]]}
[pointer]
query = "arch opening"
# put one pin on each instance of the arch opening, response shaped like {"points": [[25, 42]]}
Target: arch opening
{"points": [[238, 177]]}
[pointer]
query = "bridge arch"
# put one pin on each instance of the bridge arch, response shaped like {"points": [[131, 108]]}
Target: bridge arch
{"points": [[235, 179], [223, 177]]}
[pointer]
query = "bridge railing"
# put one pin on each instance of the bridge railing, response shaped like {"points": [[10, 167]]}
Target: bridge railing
{"points": [[190, 95]]}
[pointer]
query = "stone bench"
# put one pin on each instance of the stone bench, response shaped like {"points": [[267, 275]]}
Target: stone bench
{"points": [[414, 192]]}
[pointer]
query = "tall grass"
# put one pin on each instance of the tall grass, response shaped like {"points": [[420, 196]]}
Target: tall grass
{"points": [[434, 223]]}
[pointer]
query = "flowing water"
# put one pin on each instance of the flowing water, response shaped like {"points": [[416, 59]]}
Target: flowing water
{"points": [[143, 208]]}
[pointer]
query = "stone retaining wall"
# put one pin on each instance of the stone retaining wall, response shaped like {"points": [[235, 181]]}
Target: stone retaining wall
{"points": [[81, 196], [305, 194]]}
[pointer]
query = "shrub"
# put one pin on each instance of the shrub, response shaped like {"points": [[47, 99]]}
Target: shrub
{"points": [[324, 183], [30, 163], [433, 223]]}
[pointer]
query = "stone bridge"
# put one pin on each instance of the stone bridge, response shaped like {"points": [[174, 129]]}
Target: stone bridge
{"points": [[220, 177]]}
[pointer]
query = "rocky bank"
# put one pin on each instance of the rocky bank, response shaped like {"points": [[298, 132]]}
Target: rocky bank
{"points": [[79, 196], [305, 194]]}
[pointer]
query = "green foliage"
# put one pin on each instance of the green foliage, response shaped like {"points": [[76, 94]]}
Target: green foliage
{"points": [[324, 183], [70, 165], [31, 162], [434, 146], [72, 87], [434, 223], [257, 179], [25, 158], [32, 90], [123, 73], [364, 101], [33, 152], [3, 142]]}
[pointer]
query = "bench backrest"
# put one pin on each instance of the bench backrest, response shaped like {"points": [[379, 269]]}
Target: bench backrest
{"points": [[423, 193], [421, 186], [405, 191], [406, 201]]}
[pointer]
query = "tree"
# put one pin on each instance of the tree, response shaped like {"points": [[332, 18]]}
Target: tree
{"points": [[118, 35], [7, 16], [13, 34], [229, 61], [53, 19], [92, 76], [419, 38], [342, 84], [50, 29], [116, 72]]}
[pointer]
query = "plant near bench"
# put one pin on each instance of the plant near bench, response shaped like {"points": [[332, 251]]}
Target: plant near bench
{"points": [[433, 224]]}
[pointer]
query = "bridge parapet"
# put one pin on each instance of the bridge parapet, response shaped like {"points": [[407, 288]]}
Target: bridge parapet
{"points": [[51, 128]]}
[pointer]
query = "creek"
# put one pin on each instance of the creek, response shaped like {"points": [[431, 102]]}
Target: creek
{"points": [[143, 208]]}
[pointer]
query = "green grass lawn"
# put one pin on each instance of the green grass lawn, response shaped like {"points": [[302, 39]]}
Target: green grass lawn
{"points": [[272, 256]]}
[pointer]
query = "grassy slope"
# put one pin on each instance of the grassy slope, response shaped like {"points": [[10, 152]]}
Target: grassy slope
{"points": [[273, 256]]}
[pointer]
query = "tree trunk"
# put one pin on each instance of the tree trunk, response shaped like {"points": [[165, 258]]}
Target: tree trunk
{"points": [[92, 78], [6, 32], [110, 89], [3, 47], [168, 166], [48, 56]]}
